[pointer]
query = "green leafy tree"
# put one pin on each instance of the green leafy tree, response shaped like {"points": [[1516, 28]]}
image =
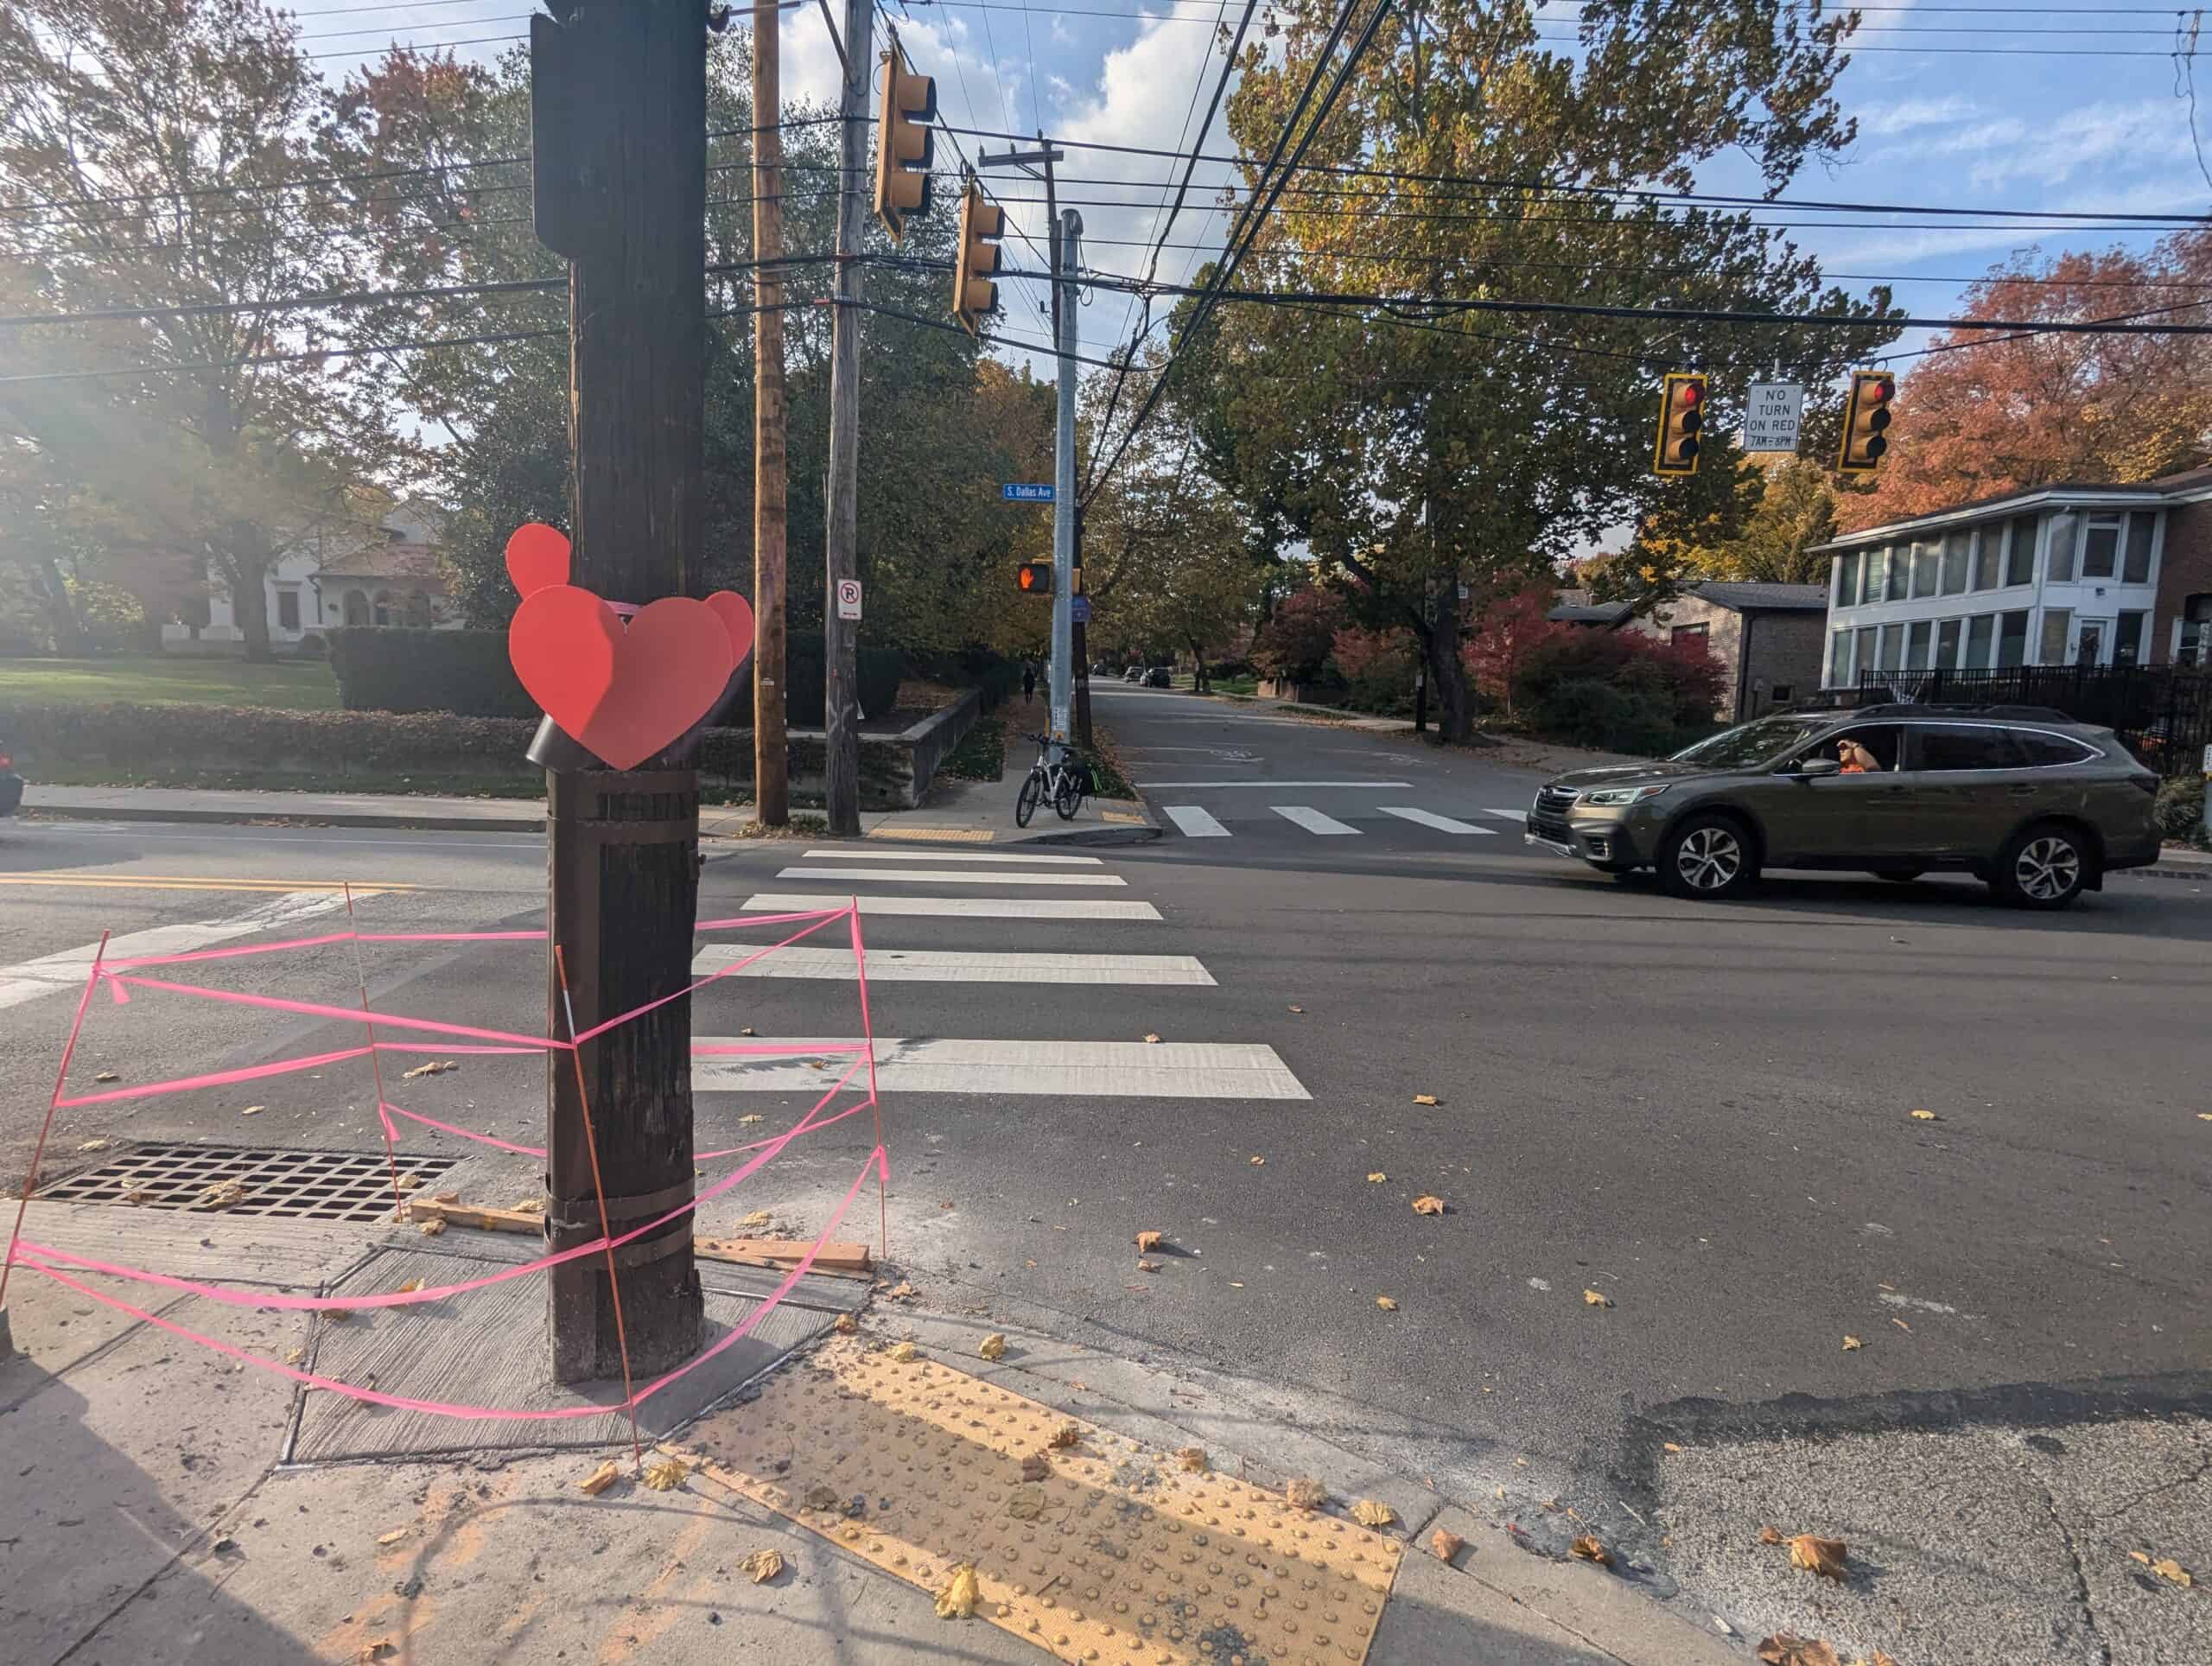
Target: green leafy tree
{"points": [[1415, 449]]}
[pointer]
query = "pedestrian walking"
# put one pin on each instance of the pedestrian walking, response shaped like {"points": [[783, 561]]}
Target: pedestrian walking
{"points": [[1028, 683]]}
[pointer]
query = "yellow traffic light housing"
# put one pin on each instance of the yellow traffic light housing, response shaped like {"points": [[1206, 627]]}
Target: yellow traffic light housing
{"points": [[1682, 416], [903, 145], [981, 225], [1034, 578], [1866, 414]]}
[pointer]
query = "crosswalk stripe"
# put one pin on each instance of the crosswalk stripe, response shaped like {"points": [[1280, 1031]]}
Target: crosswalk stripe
{"points": [[941, 966], [952, 855], [1189, 1070], [1311, 819], [1507, 815], [791, 902], [1430, 818], [1193, 822], [939, 876]]}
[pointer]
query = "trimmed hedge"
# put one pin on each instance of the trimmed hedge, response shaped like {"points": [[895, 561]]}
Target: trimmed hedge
{"points": [[411, 670], [134, 737]]}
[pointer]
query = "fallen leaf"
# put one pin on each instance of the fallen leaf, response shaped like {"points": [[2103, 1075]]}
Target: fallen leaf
{"points": [[902, 1291], [393, 1537], [1377, 1178], [1595, 1299], [1297, 1010], [845, 1324], [820, 1496], [747, 1122], [667, 1475], [431, 1229], [1194, 1459], [531, 1205], [1787, 1648], [381, 1648], [432, 1067], [748, 1030], [95, 1145], [958, 1600], [1818, 1555], [1035, 1466], [601, 1479], [1259, 1162], [1144, 1266], [136, 1194], [2204, 1116], [905, 1353], [223, 1195], [1925, 1116], [992, 1346], [1851, 1344], [763, 1565], [1669, 1446], [1025, 1506], [1372, 1512], [411, 1182], [2167, 1569], [1880, 1659], [1424, 1099], [757, 1217], [1901, 1324], [1770, 1535], [1151, 1036], [410, 1287], [1386, 1304], [253, 1111], [1066, 1435], [1304, 1493], [107, 1076], [1446, 1545], [295, 1356], [1428, 1206], [1147, 1242], [1587, 1548]]}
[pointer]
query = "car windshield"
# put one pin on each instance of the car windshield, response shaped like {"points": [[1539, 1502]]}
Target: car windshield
{"points": [[1752, 743]]}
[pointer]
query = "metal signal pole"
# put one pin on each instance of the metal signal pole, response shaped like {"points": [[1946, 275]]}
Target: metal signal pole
{"points": [[841, 749], [1067, 247], [771, 747]]}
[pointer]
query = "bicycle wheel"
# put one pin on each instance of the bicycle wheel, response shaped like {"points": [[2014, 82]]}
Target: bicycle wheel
{"points": [[1067, 797], [1025, 802]]}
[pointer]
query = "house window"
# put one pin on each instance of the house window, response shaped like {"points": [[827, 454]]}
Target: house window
{"points": [[418, 611], [2012, 640], [1892, 647], [2100, 549], [1981, 632], [1900, 571], [2193, 633], [1862, 658], [1988, 546], [1846, 580], [1839, 671], [1927, 558], [2127, 638], [1878, 575], [1696, 633], [1915, 646], [2065, 531], [357, 608], [387, 608], [1956, 555], [1947, 644], [287, 610], [2020, 552], [2056, 622], [2139, 527]]}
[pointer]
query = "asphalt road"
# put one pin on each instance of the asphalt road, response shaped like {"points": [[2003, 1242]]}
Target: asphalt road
{"points": [[1702, 1113]]}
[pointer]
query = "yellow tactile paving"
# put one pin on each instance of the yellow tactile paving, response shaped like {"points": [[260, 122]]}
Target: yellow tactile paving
{"points": [[939, 835], [1118, 1556]]}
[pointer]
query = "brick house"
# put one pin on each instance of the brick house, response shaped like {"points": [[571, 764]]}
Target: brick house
{"points": [[1766, 636], [2071, 574]]}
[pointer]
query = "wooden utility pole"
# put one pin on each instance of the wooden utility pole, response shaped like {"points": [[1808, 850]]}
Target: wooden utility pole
{"points": [[842, 744], [771, 747], [619, 160]]}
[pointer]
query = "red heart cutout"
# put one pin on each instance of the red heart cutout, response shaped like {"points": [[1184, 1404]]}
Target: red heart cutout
{"points": [[623, 694], [537, 554], [736, 613]]}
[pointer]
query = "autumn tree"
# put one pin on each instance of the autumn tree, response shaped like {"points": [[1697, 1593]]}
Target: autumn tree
{"points": [[1414, 447], [1983, 415], [152, 158]]}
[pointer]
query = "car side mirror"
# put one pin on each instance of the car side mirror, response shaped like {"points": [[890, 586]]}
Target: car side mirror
{"points": [[1808, 768]]}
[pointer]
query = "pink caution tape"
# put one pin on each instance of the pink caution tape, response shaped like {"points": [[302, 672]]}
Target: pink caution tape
{"points": [[218, 1078], [386, 1108], [877, 1163]]}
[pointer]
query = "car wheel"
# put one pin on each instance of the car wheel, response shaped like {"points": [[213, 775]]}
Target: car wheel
{"points": [[1708, 856], [2044, 866], [1898, 875]]}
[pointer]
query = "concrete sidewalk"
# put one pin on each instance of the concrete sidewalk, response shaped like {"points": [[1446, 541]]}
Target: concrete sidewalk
{"points": [[154, 1520], [959, 811]]}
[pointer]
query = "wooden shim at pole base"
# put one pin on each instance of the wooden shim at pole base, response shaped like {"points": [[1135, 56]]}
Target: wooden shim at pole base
{"points": [[447, 1206], [844, 1259]]}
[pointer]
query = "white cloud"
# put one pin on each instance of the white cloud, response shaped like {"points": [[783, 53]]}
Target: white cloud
{"points": [[2093, 138], [1907, 114]]}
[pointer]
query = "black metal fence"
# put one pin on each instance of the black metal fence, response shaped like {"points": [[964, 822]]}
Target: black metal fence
{"points": [[2163, 714]]}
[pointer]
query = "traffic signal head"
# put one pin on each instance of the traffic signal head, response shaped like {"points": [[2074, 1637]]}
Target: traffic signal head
{"points": [[903, 145], [1682, 416], [1034, 578], [981, 225], [1866, 414]]}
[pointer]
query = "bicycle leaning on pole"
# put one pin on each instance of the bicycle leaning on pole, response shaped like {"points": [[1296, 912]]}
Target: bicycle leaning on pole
{"points": [[1065, 783]]}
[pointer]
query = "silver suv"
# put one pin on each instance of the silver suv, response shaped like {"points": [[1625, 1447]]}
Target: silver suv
{"points": [[2039, 806]]}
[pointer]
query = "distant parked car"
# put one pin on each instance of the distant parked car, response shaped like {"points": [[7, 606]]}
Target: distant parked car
{"points": [[12, 785], [1134, 674], [2039, 807], [1156, 677]]}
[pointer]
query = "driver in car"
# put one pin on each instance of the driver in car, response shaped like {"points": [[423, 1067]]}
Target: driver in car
{"points": [[1856, 759]]}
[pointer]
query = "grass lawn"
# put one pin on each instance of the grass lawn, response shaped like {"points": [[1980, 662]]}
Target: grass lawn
{"points": [[170, 680]]}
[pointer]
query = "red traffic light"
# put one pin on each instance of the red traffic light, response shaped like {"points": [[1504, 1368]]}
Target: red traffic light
{"points": [[1875, 392], [1689, 394]]}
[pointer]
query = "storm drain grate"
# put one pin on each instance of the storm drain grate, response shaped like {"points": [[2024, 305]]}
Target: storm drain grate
{"points": [[316, 1186]]}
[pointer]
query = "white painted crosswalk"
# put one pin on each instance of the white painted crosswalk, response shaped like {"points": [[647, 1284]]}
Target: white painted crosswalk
{"points": [[948, 966], [1040, 860], [794, 902], [1506, 815], [1194, 823], [1121, 1069], [958, 876], [1312, 820], [1430, 818]]}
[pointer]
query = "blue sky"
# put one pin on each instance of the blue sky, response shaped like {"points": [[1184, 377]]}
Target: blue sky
{"points": [[1972, 104]]}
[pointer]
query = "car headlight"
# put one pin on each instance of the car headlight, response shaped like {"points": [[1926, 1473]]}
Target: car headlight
{"points": [[1622, 795]]}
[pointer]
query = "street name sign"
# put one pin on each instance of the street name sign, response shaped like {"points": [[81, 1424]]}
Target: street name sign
{"points": [[1015, 492]]}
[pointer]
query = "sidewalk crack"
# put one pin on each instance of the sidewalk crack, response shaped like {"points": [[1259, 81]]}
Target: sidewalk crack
{"points": [[2081, 1578]]}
